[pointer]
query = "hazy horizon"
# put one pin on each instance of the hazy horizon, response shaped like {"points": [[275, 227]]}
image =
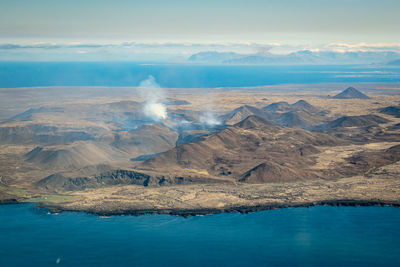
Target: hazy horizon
{"points": [[174, 30]]}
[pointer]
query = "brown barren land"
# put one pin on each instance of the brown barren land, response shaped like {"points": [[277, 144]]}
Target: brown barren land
{"points": [[218, 150]]}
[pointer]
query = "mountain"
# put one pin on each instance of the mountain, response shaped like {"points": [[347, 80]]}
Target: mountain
{"points": [[40, 134], [370, 160], [149, 139], [241, 113], [301, 114], [299, 57], [391, 110], [305, 106], [256, 122], [213, 57], [356, 121], [191, 136], [350, 93], [271, 172], [394, 63], [297, 118], [73, 156], [278, 106], [29, 114], [67, 181], [59, 181], [238, 149], [394, 127]]}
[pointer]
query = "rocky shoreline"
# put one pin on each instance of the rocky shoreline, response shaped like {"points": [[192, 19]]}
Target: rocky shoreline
{"points": [[380, 188], [233, 209], [9, 201]]}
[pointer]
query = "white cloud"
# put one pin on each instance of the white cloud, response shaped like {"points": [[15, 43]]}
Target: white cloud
{"points": [[364, 47], [168, 51]]}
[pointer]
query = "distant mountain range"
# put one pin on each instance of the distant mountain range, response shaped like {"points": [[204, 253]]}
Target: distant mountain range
{"points": [[394, 62], [299, 57]]}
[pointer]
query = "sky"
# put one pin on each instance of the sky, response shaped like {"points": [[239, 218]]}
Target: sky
{"points": [[302, 23]]}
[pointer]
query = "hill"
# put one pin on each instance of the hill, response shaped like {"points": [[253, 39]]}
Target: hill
{"points": [[278, 106], [59, 181], [273, 172], [73, 156], [238, 149], [40, 134], [356, 121], [350, 93], [297, 118], [29, 114], [300, 114], [391, 110], [149, 139], [241, 113], [305, 106]]}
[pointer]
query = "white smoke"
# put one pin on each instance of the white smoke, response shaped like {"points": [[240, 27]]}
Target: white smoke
{"points": [[209, 118], [153, 95], [157, 111], [151, 85]]}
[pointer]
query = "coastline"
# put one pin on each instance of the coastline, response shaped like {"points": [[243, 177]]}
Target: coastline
{"points": [[379, 189], [10, 201], [234, 209]]}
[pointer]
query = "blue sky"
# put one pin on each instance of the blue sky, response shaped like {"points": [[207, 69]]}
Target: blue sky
{"points": [[290, 21], [55, 28]]}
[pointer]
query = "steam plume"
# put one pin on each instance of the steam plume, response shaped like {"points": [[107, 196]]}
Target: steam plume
{"points": [[210, 119], [154, 107], [153, 95], [157, 111]]}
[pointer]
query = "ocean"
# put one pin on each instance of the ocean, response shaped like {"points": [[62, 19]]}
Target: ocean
{"points": [[315, 236], [30, 74]]}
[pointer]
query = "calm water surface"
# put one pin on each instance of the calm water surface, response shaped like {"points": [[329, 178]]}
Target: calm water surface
{"points": [[299, 236], [20, 74]]}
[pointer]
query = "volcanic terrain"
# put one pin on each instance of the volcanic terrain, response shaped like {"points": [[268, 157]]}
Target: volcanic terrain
{"points": [[213, 150]]}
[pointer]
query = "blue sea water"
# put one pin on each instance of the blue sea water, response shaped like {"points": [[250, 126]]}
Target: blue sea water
{"points": [[322, 236], [28, 74]]}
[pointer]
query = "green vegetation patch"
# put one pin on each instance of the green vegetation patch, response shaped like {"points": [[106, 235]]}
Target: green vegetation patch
{"points": [[15, 191], [52, 198], [203, 172]]}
